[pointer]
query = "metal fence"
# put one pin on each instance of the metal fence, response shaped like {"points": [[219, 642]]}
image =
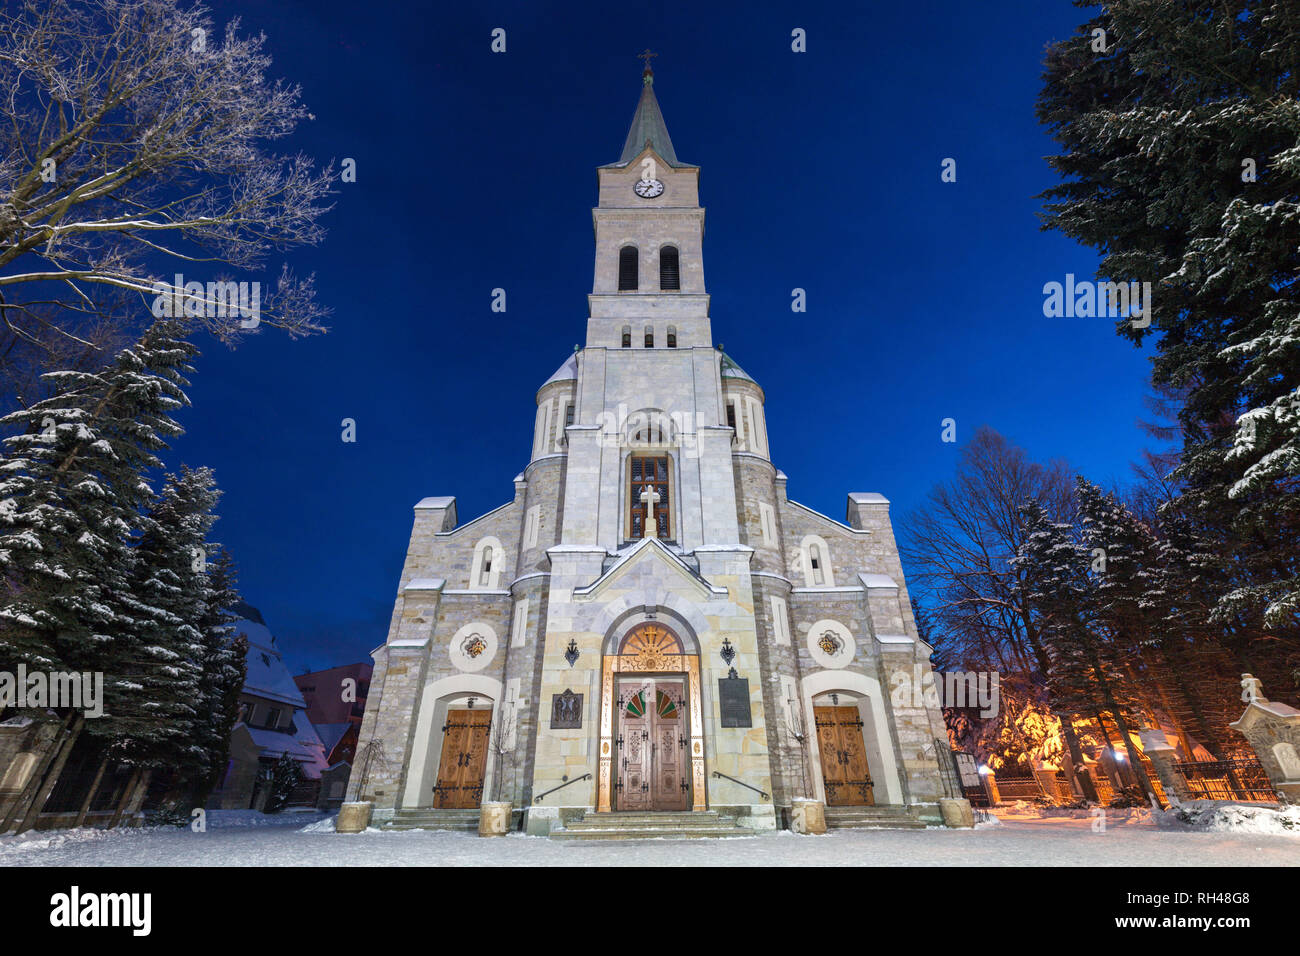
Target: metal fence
{"points": [[1227, 780]]}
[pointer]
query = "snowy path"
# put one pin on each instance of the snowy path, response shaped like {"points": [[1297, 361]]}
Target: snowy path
{"points": [[1017, 841]]}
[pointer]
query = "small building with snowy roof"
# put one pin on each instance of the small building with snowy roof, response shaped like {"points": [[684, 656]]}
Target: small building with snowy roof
{"points": [[272, 723]]}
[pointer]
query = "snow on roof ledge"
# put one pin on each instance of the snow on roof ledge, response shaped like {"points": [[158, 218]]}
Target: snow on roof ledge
{"points": [[877, 581], [444, 501], [409, 642], [894, 639], [425, 584], [867, 498]]}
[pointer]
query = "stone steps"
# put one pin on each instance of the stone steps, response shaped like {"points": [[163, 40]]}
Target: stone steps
{"points": [[877, 818], [466, 820], [624, 825]]}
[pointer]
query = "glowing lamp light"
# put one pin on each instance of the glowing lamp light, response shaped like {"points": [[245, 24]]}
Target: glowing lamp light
{"points": [[984, 770], [1118, 755]]}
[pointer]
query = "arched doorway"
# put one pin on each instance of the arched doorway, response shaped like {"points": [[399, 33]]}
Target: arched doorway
{"points": [[651, 730], [464, 756], [846, 770]]}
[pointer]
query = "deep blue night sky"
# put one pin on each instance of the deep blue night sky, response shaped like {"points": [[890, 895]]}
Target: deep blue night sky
{"points": [[475, 171]]}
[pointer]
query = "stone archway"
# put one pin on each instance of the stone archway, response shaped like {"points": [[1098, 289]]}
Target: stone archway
{"points": [[877, 732], [441, 697], [652, 652]]}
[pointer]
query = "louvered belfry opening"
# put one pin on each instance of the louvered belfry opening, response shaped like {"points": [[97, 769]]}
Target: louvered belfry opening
{"points": [[627, 269], [669, 271]]}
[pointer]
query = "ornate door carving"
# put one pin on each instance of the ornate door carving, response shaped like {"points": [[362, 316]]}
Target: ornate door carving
{"points": [[670, 785], [650, 648], [634, 751], [464, 757], [652, 748], [844, 758]]}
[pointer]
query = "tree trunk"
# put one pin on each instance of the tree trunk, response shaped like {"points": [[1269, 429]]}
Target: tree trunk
{"points": [[1135, 761], [52, 777], [90, 794], [1116, 783], [33, 783], [1076, 761], [141, 791], [127, 794]]}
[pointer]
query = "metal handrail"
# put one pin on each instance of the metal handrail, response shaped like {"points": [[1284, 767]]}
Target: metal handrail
{"points": [[538, 798], [718, 773]]}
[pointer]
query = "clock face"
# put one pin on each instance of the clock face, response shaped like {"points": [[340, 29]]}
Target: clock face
{"points": [[648, 188]]}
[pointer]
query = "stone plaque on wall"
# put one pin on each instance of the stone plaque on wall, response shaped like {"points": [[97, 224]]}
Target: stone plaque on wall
{"points": [[566, 710], [733, 697]]}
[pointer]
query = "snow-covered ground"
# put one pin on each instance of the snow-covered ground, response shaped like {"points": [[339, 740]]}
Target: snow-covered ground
{"points": [[1021, 837]]}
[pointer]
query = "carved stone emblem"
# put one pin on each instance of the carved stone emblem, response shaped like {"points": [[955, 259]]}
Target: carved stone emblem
{"points": [[473, 646]]}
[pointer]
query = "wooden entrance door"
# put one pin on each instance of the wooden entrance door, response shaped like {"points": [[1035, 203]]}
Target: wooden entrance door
{"points": [[652, 740], [844, 758], [464, 755]]}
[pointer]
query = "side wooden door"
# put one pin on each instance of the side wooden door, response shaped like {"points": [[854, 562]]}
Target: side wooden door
{"points": [[464, 757], [845, 772]]}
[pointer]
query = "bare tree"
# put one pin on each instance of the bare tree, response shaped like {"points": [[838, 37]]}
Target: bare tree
{"points": [[133, 149], [959, 546], [502, 745]]}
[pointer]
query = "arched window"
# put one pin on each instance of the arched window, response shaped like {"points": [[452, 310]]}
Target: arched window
{"points": [[815, 557], [669, 273], [627, 269], [627, 336], [672, 336], [649, 337], [485, 570]]}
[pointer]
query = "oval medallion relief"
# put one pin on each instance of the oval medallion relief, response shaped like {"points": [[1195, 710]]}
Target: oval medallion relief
{"points": [[472, 647], [831, 645]]}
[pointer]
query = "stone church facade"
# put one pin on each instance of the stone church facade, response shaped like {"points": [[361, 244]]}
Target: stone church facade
{"points": [[651, 623]]}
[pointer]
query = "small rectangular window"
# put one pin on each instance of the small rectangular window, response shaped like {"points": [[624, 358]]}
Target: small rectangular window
{"points": [[649, 338], [731, 414], [568, 415], [672, 338]]}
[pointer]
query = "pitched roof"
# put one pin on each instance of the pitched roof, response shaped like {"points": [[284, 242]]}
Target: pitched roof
{"points": [[648, 127], [268, 676]]}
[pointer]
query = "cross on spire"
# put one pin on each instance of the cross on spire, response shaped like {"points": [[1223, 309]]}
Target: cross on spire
{"points": [[647, 56]]}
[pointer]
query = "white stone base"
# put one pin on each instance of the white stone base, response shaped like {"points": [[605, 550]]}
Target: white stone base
{"points": [[807, 816], [957, 812], [494, 818], [353, 817]]}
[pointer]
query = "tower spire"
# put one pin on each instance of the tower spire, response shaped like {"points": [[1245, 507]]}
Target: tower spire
{"points": [[648, 128]]}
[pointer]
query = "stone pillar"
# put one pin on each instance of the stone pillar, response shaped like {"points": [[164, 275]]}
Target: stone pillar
{"points": [[1163, 756], [990, 781], [1046, 777], [1273, 730]]}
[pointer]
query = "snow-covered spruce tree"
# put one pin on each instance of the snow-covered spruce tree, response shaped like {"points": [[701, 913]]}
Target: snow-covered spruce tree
{"points": [[168, 582], [1125, 562], [1180, 132], [224, 665], [73, 485], [1053, 581]]}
